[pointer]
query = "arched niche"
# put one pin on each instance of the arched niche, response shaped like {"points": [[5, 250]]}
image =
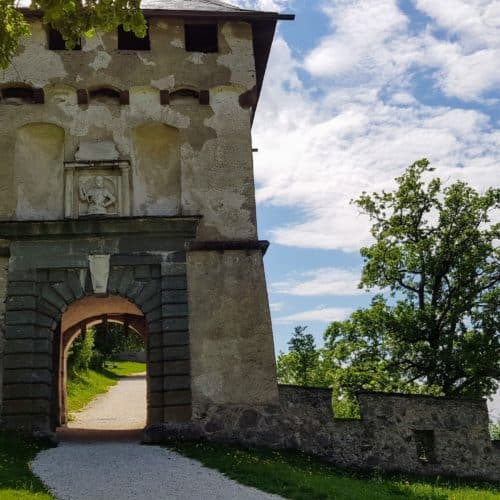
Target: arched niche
{"points": [[38, 171], [156, 169]]}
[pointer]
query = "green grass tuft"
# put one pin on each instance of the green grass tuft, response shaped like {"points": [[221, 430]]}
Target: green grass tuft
{"points": [[17, 482], [300, 477]]}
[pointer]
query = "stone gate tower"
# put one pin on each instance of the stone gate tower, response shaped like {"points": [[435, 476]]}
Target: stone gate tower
{"points": [[127, 193]]}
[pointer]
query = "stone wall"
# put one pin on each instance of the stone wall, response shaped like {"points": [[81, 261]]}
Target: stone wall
{"points": [[396, 433]]}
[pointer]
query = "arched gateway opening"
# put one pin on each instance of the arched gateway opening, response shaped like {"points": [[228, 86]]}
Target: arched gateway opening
{"points": [[76, 320]]}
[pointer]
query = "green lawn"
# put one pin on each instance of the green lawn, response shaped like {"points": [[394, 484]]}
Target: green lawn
{"points": [[16, 480], [299, 477], [83, 388]]}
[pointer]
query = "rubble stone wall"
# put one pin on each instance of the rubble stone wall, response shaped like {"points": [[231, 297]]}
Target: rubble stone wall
{"points": [[396, 433]]}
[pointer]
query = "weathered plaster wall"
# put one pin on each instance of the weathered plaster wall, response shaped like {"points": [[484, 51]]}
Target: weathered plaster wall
{"points": [[232, 353], [202, 163], [38, 176]]}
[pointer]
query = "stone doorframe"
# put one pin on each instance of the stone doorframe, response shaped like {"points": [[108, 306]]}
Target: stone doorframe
{"points": [[49, 270]]}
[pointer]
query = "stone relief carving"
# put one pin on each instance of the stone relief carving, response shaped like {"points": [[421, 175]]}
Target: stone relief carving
{"points": [[99, 193]]}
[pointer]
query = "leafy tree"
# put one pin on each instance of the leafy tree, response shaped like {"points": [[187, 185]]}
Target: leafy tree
{"points": [[112, 339], [435, 252], [300, 365], [72, 18], [81, 352], [495, 429]]}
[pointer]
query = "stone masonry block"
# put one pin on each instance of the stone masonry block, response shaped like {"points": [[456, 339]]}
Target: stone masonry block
{"points": [[174, 283], [115, 277], [155, 369], [176, 382], [155, 354], [154, 315], [174, 310], [155, 327], [25, 406], [155, 340], [64, 291], [48, 309], [21, 318], [177, 413], [142, 272], [75, 285], [147, 293], [173, 269], [22, 376], [57, 275], [175, 324], [22, 288], [19, 346], [134, 290], [175, 338], [177, 398], [21, 303], [126, 280], [177, 353], [28, 360], [174, 297], [153, 303], [156, 385], [27, 332], [176, 368], [51, 296], [21, 276], [21, 391]]}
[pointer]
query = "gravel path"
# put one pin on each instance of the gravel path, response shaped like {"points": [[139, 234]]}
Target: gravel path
{"points": [[93, 466], [122, 407]]}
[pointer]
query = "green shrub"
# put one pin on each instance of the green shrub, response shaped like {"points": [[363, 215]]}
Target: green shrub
{"points": [[82, 352], [495, 429]]}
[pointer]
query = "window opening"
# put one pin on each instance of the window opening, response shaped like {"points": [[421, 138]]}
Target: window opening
{"points": [[127, 40], [57, 42], [201, 38], [104, 94], [22, 95]]}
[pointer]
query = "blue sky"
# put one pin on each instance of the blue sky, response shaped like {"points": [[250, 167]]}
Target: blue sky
{"points": [[356, 90]]}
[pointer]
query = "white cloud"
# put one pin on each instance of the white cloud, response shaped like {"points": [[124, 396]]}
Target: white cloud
{"points": [[325, 315], [324, 281], [265, 5], [360, 123], [276, 306]]}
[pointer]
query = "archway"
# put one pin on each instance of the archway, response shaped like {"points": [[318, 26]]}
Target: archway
{"points": [[81, 315]]}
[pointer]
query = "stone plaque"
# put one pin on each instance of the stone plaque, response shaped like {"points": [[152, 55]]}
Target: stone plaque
{"points": [[97, 189]]}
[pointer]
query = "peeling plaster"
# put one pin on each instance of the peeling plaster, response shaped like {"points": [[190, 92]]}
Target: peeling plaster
{"points": [[35, 66], [145, 61], [92, 43], [177, 42], [101, 61], [196, 57], [167, 82]]}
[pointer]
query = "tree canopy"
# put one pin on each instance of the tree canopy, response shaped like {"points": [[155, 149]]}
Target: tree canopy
{"points": [[436, 328], [72, 18]]}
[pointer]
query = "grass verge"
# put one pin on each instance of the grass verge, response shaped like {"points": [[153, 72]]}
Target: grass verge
{"points": [[84, 387], [300, 477], [17, 482]]}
